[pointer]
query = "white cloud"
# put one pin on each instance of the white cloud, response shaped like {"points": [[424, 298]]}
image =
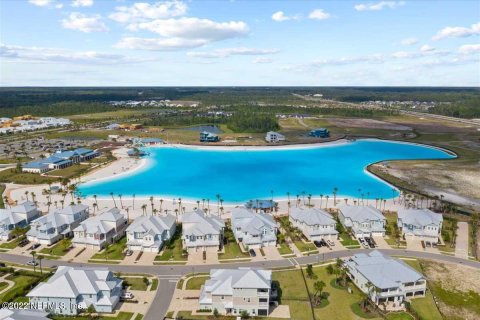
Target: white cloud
{"points": [[469, 48], [319, 14], [227, 52], [262, 60], [82, 3], [427, 48], [409, 41], [57, 55], [145, 11], [59, 5], [280, 16], [379, 5], [458, 32], [159, 44], [41, 3], [84, 23]]}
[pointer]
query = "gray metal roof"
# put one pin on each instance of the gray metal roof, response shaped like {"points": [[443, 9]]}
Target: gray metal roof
{"points": [[97, 223], [198, 223], [361, 213], [420, 217], [250, 221], [223, 281], [153, 224], [383, 271], [312, 216], [23, 314]]}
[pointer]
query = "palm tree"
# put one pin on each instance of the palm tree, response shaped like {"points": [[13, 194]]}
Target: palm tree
{"points": [[144, 209], [128, 214], [48, 205], [33, 253], [321, 199], [26, 194], [95, 198], [335, 190], [218, 203], [203, 203], [309, 199], [326, 202], [198, 204], [56, 203], [120, 197], [221, 205], [161, 204], [94, 208], [151, 203], [62, 202], [114, 203], [180, 205], [318, 286], [133, 201], [155, 211], [369, 286], [271, 192], [176, 214], [346, 201], [40, 258]]}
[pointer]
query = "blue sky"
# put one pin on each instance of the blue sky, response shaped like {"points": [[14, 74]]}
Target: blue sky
{"points": [[284, 43]]}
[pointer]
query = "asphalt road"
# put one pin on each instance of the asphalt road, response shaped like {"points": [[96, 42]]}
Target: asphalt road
{"points": [[168, 275]]}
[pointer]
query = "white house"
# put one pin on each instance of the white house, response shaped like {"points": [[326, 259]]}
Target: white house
{"points": [[274, 137], [316, 224], [202, 232], [70, 287], [254, 230], [365, 221], [18, 216], [387, 281], [23, 314], [232, 291], [423, 224], [106, 227], [148, 233], [57, 224]]}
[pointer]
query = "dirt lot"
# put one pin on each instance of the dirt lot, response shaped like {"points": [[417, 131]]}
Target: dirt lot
{"points": [[367, 123]]}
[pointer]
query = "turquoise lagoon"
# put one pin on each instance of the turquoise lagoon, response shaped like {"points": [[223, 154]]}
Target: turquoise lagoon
{"points": [[239, 175]]}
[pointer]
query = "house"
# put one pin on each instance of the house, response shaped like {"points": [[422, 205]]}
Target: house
{"points": [[151, 141], [95, 232], [19, 216], [262, 205], [319, 133], [365, 221], [232, 291], [387, 281], [77, 155], [208, 137], [23, 314], [35, 167], [316, 224], [254, 230], [148, 233], [70, 287], [57, 224], [423, 224], [60, 160], [201, 232], [274, 137]]}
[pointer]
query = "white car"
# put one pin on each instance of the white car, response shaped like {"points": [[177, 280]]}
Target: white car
{"points": [[32, 263], [127, 295]]}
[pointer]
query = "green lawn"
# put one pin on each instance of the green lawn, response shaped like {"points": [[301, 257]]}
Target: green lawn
{"points": [[135, 283], [12, 243], [188, 315], [390, 227], [70, 172], [59, 249], [232, 249], [284, 249], [2, 189], [346, 240], [121, 316], [3, 285], [114, 252], [196, 282], [173, 250], [10, 175], [139, 316], [304, 246], [23, 284], [426, 307], [154, 285]]}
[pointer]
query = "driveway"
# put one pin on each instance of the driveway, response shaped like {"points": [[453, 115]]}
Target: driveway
{"points": [[461, 243], [381, 243]]}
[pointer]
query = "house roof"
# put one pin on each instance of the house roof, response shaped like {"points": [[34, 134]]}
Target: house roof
{"points": [[198, 223], [383, 271], [312, 216], [70, 282], [97, 224], [223, 281], [420, 217], [58, 217], [250, 222], [18, 213], [23, 314], [361, 213], [152, 224], [35, 165]]}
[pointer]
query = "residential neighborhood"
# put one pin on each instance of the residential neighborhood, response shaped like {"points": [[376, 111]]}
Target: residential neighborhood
{"points": [[18, 216], [149, 233], [202, 232], [253, 230], [422, 224], [365, 221], [316, 224]]}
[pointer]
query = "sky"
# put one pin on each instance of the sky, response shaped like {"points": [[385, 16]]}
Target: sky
{"points": [[239, 43]]}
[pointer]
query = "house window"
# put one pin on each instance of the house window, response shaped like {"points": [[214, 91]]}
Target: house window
{"points": [[223, 298]]}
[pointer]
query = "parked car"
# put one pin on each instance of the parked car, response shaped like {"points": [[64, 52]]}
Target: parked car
{"points": [[23, 243], [35, 246], [127, 295], [128, 252], [252, 253], [2, 265], [32, 263], [330, 243], [318, 244]]}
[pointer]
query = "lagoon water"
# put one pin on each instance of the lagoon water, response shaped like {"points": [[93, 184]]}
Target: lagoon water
{"points": [[240, 175]]}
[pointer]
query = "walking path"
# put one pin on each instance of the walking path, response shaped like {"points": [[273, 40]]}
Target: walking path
{"points": [[461, 243], [9, 282]]}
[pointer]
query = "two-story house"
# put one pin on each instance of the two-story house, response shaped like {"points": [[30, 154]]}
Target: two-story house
{"points": [[316, 224], [16, 217], [202, 232], [57, 224], [423, 224], [106, 227], [23, 314], [232, 291], [386, 281], [254, 230], [148, 233], [73, 289], [365, 221]]}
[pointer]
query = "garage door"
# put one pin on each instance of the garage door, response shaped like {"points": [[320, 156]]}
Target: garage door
{"points": [[262, 312]]}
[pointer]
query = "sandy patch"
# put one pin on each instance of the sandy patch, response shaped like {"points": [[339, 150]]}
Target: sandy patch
{"points": [[367, 123], [452, 276]]}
